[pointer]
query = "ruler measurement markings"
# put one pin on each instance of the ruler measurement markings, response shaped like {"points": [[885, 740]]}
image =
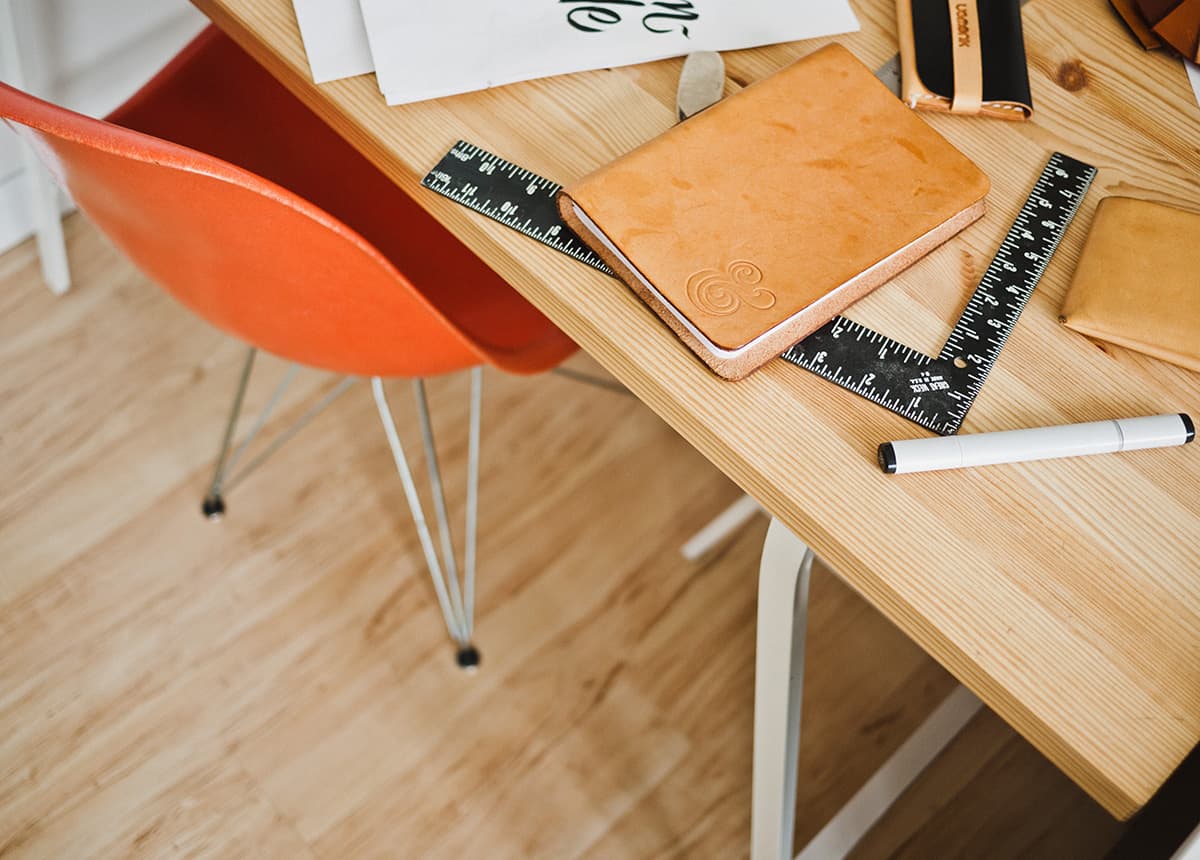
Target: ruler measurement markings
{"points": [[867, 360]]}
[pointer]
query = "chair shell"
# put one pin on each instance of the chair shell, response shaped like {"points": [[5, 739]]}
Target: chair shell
{"points": [[233, 196]]}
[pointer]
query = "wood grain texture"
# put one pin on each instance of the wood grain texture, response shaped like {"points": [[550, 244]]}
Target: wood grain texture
{"points": [[279, 684], [1066, 593]]}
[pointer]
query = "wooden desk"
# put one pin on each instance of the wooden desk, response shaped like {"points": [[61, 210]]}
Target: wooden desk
{"points": [[1066, 594]]}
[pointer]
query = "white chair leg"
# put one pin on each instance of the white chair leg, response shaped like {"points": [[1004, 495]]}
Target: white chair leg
{"points": [[783, 578], [43, 193], [47, 219]]}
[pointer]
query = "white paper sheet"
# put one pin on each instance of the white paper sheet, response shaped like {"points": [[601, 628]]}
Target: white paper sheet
{"points": [[425, 49], [334, 38]]}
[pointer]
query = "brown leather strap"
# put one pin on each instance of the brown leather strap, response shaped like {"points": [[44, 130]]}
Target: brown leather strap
{"points": [[968, 63]]}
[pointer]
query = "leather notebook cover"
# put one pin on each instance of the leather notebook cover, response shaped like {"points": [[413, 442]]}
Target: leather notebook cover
{"points": [[1138, 280], [755, 222], [964, 56]]}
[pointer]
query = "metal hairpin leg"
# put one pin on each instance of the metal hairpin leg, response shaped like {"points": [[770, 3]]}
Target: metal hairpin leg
{"points": [[457, 604], [214, 501], [439, 507], [778, 684], [214, 504]]}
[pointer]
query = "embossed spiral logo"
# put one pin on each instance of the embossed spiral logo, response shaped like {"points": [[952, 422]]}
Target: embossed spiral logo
{"points": [[720, 293]]}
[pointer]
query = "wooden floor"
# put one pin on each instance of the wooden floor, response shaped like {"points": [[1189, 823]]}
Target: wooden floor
{"points": [[279, 684]]}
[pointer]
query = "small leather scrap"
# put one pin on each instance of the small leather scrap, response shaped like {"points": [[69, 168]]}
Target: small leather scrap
{"points": [[1173, 24], [1155, 10], [964, 57], [1138, 280], [1180, 28], [1136, 23]]}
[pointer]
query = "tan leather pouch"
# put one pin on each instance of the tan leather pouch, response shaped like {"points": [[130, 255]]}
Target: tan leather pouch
{"points": [[1138, 280], [964, 57]]}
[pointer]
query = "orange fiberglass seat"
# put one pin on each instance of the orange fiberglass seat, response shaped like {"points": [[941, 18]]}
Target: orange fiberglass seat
{"points": [[238, 200]]}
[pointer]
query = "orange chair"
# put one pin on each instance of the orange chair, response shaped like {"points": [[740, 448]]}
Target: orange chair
{"points": [[226, 190]]}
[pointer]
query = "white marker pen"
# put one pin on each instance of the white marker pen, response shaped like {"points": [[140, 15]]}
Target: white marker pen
{"points": [[1041, 443]]}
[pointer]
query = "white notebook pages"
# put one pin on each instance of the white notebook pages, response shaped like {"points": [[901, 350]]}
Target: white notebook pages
{"points": [[423, 49]]}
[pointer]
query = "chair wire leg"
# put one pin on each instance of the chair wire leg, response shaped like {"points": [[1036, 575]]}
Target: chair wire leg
{"points": [[225, 478], [263, 415], [439, 505], [214, 505], [472, 498], [418, 514], [301, 422]]}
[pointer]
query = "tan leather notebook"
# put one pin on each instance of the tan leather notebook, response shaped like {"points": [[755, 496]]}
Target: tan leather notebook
{"points": [[1138, 280], [755, 222]]}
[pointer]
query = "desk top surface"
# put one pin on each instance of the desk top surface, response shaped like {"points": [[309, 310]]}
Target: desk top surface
{"points": [[1065, 593]]}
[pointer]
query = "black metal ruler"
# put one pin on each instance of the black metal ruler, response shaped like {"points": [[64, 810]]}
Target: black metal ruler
{"points": [[935, 392], [509, 194]]}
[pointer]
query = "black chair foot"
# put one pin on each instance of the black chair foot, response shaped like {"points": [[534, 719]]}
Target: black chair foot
{"points": [[213, 508], [468, 658]]}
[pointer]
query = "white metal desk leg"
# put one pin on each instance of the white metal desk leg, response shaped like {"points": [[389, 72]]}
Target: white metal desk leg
{"points": [[851, 823], [722, 526], [778, 680]]}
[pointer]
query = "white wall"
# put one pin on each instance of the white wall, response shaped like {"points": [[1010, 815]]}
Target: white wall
{"points": [[87, 56]]}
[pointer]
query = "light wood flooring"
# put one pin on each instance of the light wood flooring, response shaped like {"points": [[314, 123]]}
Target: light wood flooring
{"points": [[279, 684]]}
